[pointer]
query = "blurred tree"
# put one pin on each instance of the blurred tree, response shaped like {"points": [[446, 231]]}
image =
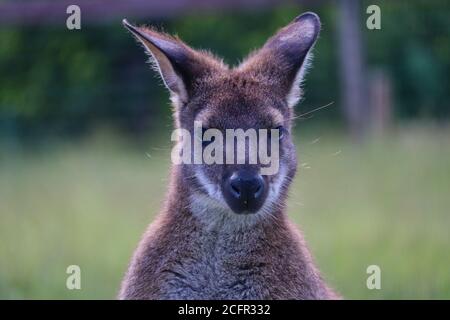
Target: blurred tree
{"points": [[353, 69], [54, 81]]}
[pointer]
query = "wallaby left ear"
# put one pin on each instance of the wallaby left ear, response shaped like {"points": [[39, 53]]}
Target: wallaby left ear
{"points": [[283, 60], [179, 65]]}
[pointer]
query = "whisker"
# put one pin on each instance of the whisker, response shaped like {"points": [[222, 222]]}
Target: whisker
{"points": [[313, 111]]}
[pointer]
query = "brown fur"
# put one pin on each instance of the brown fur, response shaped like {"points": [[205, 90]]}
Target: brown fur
{"points": [[197, 248]]}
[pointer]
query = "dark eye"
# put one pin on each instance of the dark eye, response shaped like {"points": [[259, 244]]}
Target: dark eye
{"points": [[204, 142], [281, 132]]}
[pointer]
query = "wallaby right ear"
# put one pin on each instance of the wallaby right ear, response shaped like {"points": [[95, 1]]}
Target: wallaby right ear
{"points": [[284, 58], [179, 65]]}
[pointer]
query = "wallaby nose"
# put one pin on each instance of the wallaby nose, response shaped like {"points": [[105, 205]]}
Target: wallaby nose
{"points": [[245, 191]]}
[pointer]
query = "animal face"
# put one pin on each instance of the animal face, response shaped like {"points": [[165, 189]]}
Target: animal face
{"points": [[251, 104]]}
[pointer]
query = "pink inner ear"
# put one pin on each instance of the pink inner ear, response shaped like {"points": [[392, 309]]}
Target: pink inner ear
{"points": [[283, 60], [178, 64], [299, 35]]}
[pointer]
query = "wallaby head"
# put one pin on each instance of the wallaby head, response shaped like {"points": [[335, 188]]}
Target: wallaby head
{"points": [[260, 93]]}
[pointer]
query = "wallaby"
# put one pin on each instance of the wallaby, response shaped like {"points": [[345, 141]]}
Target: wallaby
{"points": [[223, 232]]}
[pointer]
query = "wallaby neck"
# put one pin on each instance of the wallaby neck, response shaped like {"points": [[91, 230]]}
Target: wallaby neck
{"points": [[195, 252], [268, 252]]}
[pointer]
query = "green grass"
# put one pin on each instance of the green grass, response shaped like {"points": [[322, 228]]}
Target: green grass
{"points": [[386, 202]]}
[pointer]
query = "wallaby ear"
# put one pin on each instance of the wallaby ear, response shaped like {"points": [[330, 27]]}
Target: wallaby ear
{"points": [[283, 60], [178, 64]]}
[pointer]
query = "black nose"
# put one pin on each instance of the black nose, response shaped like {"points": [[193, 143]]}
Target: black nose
{"points": [[244, 191]]}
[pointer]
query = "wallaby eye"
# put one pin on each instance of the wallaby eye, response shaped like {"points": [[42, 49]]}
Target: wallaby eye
{"points": [[281, 132], [204, 142]]}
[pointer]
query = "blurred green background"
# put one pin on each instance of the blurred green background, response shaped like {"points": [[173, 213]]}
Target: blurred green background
{"points": [[85, 141]]}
